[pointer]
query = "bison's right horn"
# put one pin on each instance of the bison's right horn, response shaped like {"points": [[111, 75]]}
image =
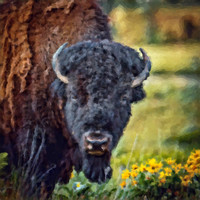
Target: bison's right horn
{"points": [[56, 63], [145, 73]]}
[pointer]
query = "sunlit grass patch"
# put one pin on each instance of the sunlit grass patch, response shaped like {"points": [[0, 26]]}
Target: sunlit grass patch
{"points": [[166, 112], [174, 58]]}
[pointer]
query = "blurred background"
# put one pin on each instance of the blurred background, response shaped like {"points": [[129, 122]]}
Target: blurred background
{"points": [[167, 122]]}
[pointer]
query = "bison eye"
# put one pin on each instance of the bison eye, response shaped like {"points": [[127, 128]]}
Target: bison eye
{"points": [[74, 97], [124, 99]]}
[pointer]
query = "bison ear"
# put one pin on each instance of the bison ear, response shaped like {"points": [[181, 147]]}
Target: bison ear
{"points": [[58, 63], [138, 94]]}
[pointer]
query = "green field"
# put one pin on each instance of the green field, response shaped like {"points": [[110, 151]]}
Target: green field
{"points": [[174, 58], [171, 108]]}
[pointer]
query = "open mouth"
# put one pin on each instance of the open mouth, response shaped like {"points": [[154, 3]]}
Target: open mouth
{"points": [[96, 153], [96, 144]]}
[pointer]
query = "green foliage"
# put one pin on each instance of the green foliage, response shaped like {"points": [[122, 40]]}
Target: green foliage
{"points": [[189, 139], [173, 59], [152, 180], [163, 180], [3, 161], [80, 188]]}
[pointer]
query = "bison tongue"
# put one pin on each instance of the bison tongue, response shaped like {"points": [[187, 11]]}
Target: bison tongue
{"points": [[96, 153]]}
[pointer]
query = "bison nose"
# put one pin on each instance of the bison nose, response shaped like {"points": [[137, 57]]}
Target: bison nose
{"points": [[96, 143]]}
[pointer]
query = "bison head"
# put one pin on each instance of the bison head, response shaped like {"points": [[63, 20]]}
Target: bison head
{"points": [[99, 81]]}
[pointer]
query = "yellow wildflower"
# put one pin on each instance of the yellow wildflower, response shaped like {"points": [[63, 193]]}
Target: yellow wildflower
{"points": [[134, 173], [163, 180], [78, 185], [170, 161], [152, 169], [152, 162], [197, 171], [142, 168], [159, 165], [134, 167], [185, 180], [154, 166], [193, 167], [72, 175], [123, 184], [134, 182], [192, 174], [197, 161], [168, 171], [194, 158], [162, 175], [196, 154], [125, 174], [177, 167], [194, 161], [186, 167], [190, 161]]}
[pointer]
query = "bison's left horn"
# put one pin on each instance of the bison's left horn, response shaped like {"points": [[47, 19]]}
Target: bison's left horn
{"points": [[56, 63], [145, 73]]}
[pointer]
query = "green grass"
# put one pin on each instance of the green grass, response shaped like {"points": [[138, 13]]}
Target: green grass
{"points": [[170, 109], [174, 58]]}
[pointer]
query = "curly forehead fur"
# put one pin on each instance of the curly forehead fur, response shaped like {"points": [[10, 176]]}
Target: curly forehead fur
{"points": [[102, 64], [105, 55]]}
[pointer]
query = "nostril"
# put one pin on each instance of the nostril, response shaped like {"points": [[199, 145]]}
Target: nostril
{"points": [[90, 146]]}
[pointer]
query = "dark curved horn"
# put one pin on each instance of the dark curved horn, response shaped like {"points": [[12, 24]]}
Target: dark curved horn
{"points": [[55, 63], [145, 73]]}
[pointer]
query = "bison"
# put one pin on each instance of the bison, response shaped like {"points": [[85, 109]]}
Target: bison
{"points": [[71, 112]]}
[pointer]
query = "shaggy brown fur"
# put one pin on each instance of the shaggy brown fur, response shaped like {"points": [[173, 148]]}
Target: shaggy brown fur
{"points": [[50, 123], [30, 33]]}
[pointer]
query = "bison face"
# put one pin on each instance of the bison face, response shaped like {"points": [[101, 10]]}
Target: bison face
{"points": [[99, 81]]}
